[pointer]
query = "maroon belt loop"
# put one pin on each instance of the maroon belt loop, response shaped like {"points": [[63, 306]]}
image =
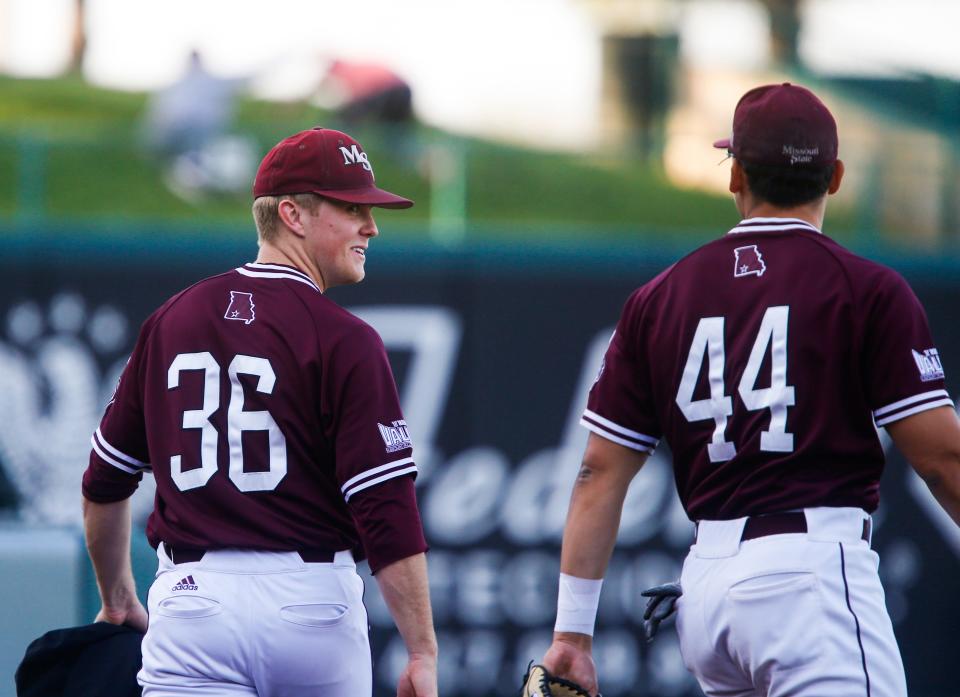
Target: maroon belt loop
{"points": [[316, 556], [183, 555], [774, 524]]}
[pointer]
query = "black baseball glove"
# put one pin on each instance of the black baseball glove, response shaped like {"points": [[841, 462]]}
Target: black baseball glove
{"points": [[539, 682], [661, 604]]}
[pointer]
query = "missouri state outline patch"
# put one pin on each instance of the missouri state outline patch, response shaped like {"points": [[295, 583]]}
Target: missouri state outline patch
{"points": [[747, 261], [240, 307]]}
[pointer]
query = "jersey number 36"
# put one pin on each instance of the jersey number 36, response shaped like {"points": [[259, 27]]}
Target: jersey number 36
{"points": [[238, 421], [708, 340]]}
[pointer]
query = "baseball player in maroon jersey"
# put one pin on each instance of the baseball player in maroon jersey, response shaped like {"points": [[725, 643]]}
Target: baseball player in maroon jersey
{"points": [[271, 421], [766, 359]]}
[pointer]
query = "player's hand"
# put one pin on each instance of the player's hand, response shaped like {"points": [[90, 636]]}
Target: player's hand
{"points": [[419, 678], [570, 657], [133, 615]]}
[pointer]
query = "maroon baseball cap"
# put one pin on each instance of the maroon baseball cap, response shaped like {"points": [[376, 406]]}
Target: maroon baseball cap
{"points": [[782, 125], [325, 162]]}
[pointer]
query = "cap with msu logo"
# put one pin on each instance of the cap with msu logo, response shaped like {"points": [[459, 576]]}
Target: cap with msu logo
{"points": [[325, 162], [782, 124]]}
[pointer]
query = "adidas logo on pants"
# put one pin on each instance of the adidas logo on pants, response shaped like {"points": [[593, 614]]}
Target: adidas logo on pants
{"points": [[186, 584]]}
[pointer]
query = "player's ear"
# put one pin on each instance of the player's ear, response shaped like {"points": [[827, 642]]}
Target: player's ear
{"points": [[289, 213], [835, 179], [737, 177]]}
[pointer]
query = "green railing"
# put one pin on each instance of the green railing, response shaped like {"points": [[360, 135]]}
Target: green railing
{"points": [[467, 188]]}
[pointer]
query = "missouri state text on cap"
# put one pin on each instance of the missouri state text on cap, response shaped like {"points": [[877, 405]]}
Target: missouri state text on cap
{"points": [[782, 125]]}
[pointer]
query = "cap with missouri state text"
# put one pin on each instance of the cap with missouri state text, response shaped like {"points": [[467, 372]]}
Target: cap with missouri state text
{"points": [[782, 124], [325, 162]]}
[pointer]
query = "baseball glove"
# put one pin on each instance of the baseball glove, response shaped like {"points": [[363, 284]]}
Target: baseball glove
{"points": [[539, 682]]}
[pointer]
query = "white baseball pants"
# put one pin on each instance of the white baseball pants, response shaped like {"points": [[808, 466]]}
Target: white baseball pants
{"points": [[798, 615], [256, 623]]}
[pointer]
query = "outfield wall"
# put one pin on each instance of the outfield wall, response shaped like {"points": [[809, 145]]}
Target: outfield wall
{"points": [[494, 348]]}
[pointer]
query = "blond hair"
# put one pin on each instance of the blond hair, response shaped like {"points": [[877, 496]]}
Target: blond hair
{"points": [[266, 215]]}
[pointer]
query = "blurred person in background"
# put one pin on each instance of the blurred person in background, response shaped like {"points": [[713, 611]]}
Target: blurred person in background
{"points": [[186, 125], [271, 421], [366, 93], [767, 359]]}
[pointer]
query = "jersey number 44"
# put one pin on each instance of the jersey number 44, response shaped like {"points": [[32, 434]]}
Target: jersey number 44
{"points": [[718, 407]]}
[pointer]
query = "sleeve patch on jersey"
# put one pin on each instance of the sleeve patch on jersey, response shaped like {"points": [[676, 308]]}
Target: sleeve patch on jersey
{"points": [[364, 480], [929, 365], [912, 405], [395, 436], [617, 433], [118, 459]]}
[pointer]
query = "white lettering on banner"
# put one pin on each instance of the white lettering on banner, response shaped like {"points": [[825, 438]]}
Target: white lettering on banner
{"points": [[467, 589], [477, 602], [535, 506], [528, 588], [480, 587], [470, 663], [531, 513], [465, 495], [432, 336], [54, 393]]}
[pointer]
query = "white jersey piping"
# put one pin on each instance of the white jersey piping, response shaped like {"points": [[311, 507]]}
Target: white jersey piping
{"points": [[771, 225], [288, 274]]}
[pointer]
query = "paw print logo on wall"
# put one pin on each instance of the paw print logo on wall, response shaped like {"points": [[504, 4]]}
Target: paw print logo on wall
{"points": [[54, 392]]}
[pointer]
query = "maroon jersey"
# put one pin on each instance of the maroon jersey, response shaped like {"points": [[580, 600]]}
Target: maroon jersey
{"points": [[765, 358], [270, 418]]}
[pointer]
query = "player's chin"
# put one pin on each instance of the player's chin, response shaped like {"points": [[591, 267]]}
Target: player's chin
{"points": [[359, 273], [353, 271]]}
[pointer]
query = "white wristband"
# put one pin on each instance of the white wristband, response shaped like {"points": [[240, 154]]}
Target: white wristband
{"points": [[577, 604]]}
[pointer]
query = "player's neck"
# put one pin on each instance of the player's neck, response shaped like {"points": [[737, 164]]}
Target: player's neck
{"points": [[812, 213], [277, 254]]}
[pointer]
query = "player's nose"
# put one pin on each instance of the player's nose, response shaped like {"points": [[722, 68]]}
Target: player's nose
{"points": [[369, 228]]}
